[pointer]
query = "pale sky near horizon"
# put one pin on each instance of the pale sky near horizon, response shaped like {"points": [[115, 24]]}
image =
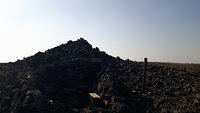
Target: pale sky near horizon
{"points": [[162, 30]]}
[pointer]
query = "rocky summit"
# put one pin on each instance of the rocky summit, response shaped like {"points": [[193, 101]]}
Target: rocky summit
{"points": [[77, 78]]}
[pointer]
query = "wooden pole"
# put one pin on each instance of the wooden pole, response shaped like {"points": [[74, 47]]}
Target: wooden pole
{"points": [[145, 73]]}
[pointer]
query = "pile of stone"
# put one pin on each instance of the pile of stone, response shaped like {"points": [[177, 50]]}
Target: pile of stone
{"points": [[60, 80]]}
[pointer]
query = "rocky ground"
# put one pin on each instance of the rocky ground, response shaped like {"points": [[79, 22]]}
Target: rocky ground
{"points": [[60, 80]]}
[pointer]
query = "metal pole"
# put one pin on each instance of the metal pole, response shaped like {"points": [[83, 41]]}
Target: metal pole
{"points": [[145, 72]]}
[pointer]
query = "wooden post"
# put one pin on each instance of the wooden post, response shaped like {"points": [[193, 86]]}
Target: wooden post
{"points": [[145, 73]]}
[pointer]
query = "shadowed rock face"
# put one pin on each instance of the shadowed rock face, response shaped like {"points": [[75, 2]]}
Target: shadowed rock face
{"points": [[59, 80]]}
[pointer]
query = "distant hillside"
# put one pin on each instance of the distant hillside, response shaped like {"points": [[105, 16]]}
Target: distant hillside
{"points": [[60, 79]]}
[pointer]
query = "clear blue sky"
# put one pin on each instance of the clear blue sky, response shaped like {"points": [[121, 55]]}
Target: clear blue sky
{"points": [[162, 30]]}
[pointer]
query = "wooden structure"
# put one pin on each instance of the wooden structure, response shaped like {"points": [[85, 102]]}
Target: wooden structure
{"points": [[145, 73], [95, 99]]}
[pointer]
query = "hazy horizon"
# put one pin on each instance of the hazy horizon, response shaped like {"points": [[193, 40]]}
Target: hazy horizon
{"points": [[162, 31]]}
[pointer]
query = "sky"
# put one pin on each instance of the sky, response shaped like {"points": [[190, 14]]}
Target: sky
{"points": [[161, 30]]}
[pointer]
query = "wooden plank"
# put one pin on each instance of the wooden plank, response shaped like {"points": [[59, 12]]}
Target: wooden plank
{"points": [[94, 95]]}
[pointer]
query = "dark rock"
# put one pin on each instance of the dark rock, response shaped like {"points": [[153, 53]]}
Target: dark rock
{"points": [[27, 100], [121, 108], [164, 110], [24, 87], [117, 99]]}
